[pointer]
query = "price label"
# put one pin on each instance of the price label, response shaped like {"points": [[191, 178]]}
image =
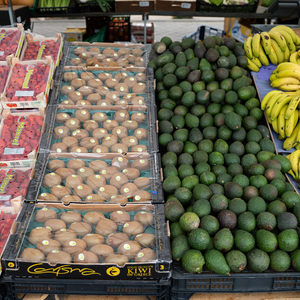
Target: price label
{"points": [[5, 198], [24, 93], [186, 5], [10, 151], [144, 3], [1, 53]]}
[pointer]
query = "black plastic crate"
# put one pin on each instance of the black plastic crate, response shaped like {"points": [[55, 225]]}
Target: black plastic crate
{"points": [[55, 10], [203, 6], [93, 6], [204, 31], [15, 286]]}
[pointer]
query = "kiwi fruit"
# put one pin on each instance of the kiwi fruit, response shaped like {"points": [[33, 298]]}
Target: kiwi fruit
{"points": [[120, 163], [94, 198], [73, 180], [140, 76], [121, 116], [128, 97], [70, 141], [120, 217], [123, 51], [75, 96], [87, 76], [121, 76], [70, 217], [85, 172], [94, 50], [47, 245], [102, 251], [105, 227], [45, 214], [60, 132], [92, 239], [82, 191], [109, 140], [95, 181], [72, 124], [129, 248], [85, 56], [112, 96], [130, 81], [89, 143], [104, 76], [119, 148], [97, 165], [111, 82], [118, 259], [85, 90], [141, 164], [69, 76], [130, 141], [133, 228], [130, 124], [145, 218], [110, 124], [146, 240], [30, 254], [83, 102], [142, 182], [62, 117], [118, 180], [107, 172], [102, 90], [139, 148], [85, 257], [141, 134], [60, 191], [139, 117], [99, 117], [47, 197], [131, 173], [75, 164], [67, 102], [128, 189], [64, 235], [55, 164], [70, 198], [138, 101], [80, 134], [64, 172], [55, 224], [116, 239], [121, 88], [59, 257], [51, 179], [74, 246], [122, 103], [90, 125], [145, 255], [81, 228], [118, 199], [38, 234], [93, 98], [141, 196], [79, 50], [100, 149], [76, 61], [82, 115], [93, 217], [99, 133], [140, 62], [122, 62]]}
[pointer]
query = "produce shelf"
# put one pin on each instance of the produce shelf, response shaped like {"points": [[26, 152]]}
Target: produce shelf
{"points": [[204, 31]]}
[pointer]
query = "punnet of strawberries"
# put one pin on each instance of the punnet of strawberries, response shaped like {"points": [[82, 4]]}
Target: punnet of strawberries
{"points": [[20, 136], [4, 70], [9, 41], [6, 221]]}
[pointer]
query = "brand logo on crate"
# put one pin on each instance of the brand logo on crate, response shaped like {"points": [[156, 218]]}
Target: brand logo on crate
{"points": [[30, 70], [11, 264], [113, 271], [5, 182], [139, 271], [41, 50], [2, 35], [18, 133]]}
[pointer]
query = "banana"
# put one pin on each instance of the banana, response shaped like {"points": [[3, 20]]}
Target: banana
{"points": [[256, 61], [288, 39], [255, 44], [288, 73], [278, 106], [281, 121], [294, 48], [267, 98], [275, 125], [273, 77], [297, 43], [278, 51], [285, 65], [298, 61], [266, 42], [248, 48], [292, 173], [292, 107], [286, 54], [262, 56], [297, 147], [273, 57], [290, 31], [285, 80], [289, 87], [290, 142], [276, 36], [272, 102], [293, 57], [294, 159], [290, 125], [251, 66]]}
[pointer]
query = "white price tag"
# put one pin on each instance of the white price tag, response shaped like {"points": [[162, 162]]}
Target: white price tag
{"points": [[186, 5], [144, 3], [1, 53], [24, 93], [5, 198], [11, 151]]}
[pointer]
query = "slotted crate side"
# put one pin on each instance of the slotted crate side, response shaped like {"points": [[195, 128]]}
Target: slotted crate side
{"points": [[204, 31]]}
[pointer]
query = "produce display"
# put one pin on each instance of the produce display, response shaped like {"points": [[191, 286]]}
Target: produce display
{"points": [[6, 221], [4, 70]]}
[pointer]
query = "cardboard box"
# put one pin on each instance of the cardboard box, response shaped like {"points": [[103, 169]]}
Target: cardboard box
{"points": [[177, 5], [239, 29], [134, 6], [74, 34]]}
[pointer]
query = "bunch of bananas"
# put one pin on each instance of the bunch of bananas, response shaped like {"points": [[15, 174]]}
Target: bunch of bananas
{"points": [[282, 113], [286, 77], [294, 158], [277, 45]]}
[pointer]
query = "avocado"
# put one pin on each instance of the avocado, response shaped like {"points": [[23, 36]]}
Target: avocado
{"points": [[202, 191], [188, 99], [199, 50], [202, 208], [246, 221], [233, 121], [217, 96], [175, 230], [209, 42], [239, 135], [227, 219], [277, 208], [181, 135], [202, 167], [198, 110], [236, 72], [169, 68], [189, 221], [206, 146], [193, 261], [231, 158], [271, 164], [183, 195], [227, 108], [199, 239], [258, 260], [219, 169], [224, 132], [256, 205], [252, 148], [289, 187], [233, 190], [190, 182], [268, 192], [226, 84], [170, 170], [181, 110], [218, 202], [177, 121], [266, 240], [223, 178], [210, 224], [185, 86], [258, 181], [264, 155], [288, 240], [173, 210], [250, 192], [280, 261], [203, 97], [188, 43], [223, 240], [173, 45], [255, 169], [244, 241], [245, 93], [264, 131], [295, 260], [223, 62], [242, 62], [252, 103], [287, 220], [182, 72], [198, 86], [284, 162], [215, 262], [169, 158], [175, 146], [216, 189], [232, 60], [193, 64], [219, 119], [171, 184], [239, 83], [239, 178], [240, 110], [208, 76], [189, 54], [208, 178], [266, 220], [163, 59], [164, 114], [185, 170], [175, 93], [164, 139], [179, 246], [267, 145], [221, 74], [236, 261], [166, 40], [237, 206], [212, 55], [290, 199], [185, 158], [248, 160]]}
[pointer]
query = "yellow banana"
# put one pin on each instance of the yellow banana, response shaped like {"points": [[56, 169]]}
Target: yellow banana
{"points": [[298, 61], [285, 80], [291, 173], [272, 102], [290, 142], [276, 36], [289, 87], [294, 159], [262, 56], [293, 57], [273, 77], [286, 54], [275, 125], [248, 47], [255, 44], [280, 137], [288, 39], [290, 125], [288, 73], [256, 61], [266, 42], [285, 65], [281, 121], [297, 147], [251, 66], [292, 107], [290, 31], [297, 43], [279, 104], [267, 98], [278, 51], [294, 48], [273, 57]]}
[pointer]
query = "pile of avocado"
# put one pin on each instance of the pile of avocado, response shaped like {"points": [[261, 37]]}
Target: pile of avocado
{"points": [[227, 197]]}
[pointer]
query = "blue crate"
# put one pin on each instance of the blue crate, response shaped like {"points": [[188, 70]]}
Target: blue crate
{"points": [[204, 31]]}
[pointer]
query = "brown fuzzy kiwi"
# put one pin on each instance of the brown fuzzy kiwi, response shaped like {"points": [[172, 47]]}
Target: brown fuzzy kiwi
{"points": [[38, 234], [60, 132], [139, 117], [47, 245], [80, 134], [34, 255], [145, 255], [69, 76], [70, 217], [109, 62], [99, 117], [128, 97], [102, 90], [47, 197], [117, 259], [110, 124], [59, 257], [67, 102], [131, 173], [107, 172], [122, 62], [108, 52], [142, 182], [102, 251], [119, 148], [70, 141], [107, 191], [130, 81], [74, 246], [92, 239], [77, 149], [137, 52], [100, 149], [86, 76], [81, 228], [85, 56], [120, 163], [82, 103], [133, 228], [120, 132], [64, 172], [45, 214], [55, 164], [112, 96], [94, 50], [79, 50], [85, 257], [123, 51], [99, 133], [139, 62], [121, 76], [90, 125], [116, 239], [141, 196], [118, 199], [141, 164], [105, 227], [146, 240], [64, 235], [96, 165], [131, 58], [121, 116], [93, 217], [94, 198], [111, 82], [51, 179], [105, 102], [115, 56], [85, 172], [60, 191], [109, 140], [55, 224], [75, 164], [75, 96], [118, 180], [128, 189], [82, 115], [130, 125], [75, 61], [122, 88], [130, 141], [139, 148], [72, 124], [141, 133], [138, 101], [104, 76], [120, 217], [145, 218], [89, 143], [70, 198], [66, 89], [140, 76], [93, 98], [86, 90], [95, 181], [122, 103], [77, 83], [82, 191], [129, 248], [94, 83]]}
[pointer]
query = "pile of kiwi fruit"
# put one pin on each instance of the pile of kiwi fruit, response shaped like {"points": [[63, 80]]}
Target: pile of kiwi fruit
{"points": [[107, 57], [75, 236], [85, 131], [117, 180], [87, 87]]}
